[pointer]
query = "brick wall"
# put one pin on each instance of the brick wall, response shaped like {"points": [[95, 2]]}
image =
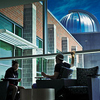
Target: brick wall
{"points": [[60, 31], [51, 38], [39, 19], [15, 13], [29, 33], [50, 66]]}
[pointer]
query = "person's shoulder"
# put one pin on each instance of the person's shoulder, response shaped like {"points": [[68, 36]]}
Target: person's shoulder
{"points": [[9, 69], [66, 64], [58, 64]]}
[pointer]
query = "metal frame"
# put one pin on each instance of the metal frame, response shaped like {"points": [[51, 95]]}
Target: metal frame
{"points": [[15, 40], [45, 31], [50, 55]]}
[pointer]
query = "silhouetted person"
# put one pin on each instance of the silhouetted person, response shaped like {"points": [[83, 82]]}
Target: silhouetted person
{"points": [[12, 73], [59, 64]]}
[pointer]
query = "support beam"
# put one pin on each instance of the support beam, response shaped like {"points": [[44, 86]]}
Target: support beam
{"points": [[5, 3], [45, 32]]}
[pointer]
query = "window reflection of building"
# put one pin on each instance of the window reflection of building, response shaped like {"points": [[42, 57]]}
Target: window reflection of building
{"points": [[39, 42], [85, 28], [7, 49], [65, 47], [33, 32], [41, 63], [74, 48]]}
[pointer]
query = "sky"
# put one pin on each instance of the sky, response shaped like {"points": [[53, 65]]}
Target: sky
{"points": [[60, 8]]}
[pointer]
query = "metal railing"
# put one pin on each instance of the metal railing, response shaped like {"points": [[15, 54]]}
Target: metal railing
{"points": [[50, 55]]}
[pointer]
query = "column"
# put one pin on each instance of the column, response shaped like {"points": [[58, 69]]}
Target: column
{"points": [[29, 33]]}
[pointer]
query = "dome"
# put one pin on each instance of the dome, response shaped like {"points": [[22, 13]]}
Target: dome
{"points": [[80, 21]]}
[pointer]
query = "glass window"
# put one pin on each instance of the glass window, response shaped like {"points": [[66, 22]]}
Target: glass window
{"points": [[7, 51], [74, 48], [5, 24], [39, 66], [58, 51], [44, 65], [39, 42], [18, 52], [18, 31], [19, 76]]}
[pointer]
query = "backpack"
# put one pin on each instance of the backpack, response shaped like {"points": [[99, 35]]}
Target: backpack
{"points": [[65, 71]]}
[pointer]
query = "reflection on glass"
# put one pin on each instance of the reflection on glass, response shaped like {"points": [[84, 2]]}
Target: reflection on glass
{"points": [[5, 24], [6, 50], [39, 42], [18, 31], [41, 65]]}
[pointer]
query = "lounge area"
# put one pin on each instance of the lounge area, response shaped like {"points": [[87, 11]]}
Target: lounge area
{"points": [[33, 33], [85, 87]]}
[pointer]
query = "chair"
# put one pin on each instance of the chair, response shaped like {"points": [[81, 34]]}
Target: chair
{"points": [[5, 92], [57, 84], [82, 89], [3, 89], [66, 72], [37, 94], [9, 94]]}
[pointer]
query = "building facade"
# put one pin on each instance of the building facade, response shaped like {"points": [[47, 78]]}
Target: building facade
{"points": [[86, 30], [26, 21]]}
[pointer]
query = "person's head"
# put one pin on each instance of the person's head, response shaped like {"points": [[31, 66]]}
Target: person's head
{"points": [[15, 65], [59, 58]]}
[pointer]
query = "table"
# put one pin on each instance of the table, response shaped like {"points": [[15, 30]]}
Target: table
{"points": [[10, 79], [39, 77], [37, 94]]}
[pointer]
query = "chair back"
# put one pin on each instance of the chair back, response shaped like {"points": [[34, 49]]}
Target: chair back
{"points": [[82, 75], [66, 72], [3, 89]]}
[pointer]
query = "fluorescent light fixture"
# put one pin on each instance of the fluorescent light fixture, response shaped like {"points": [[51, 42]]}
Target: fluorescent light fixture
{"points": [[15, 40]]}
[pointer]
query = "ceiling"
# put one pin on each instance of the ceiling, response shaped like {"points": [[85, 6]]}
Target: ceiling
{"points": [[10, 3]]}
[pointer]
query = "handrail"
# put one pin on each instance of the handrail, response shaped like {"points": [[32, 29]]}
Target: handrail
{"points": [[50, 55]]}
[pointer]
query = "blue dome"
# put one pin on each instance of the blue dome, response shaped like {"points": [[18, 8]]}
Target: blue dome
{"points": [[80, 21]]}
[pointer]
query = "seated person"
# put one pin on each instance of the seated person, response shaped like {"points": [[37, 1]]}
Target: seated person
{"points": [[59, 64], [12, 73]]}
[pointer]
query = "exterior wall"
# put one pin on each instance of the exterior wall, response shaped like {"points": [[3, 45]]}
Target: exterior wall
{"points": [[15, 13], [50, 66], [91, 41], [65, 43], [51, 38], [65, 47], [39, 19], [31, 29], [29, 33], [12, 13], [60, 31]]}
